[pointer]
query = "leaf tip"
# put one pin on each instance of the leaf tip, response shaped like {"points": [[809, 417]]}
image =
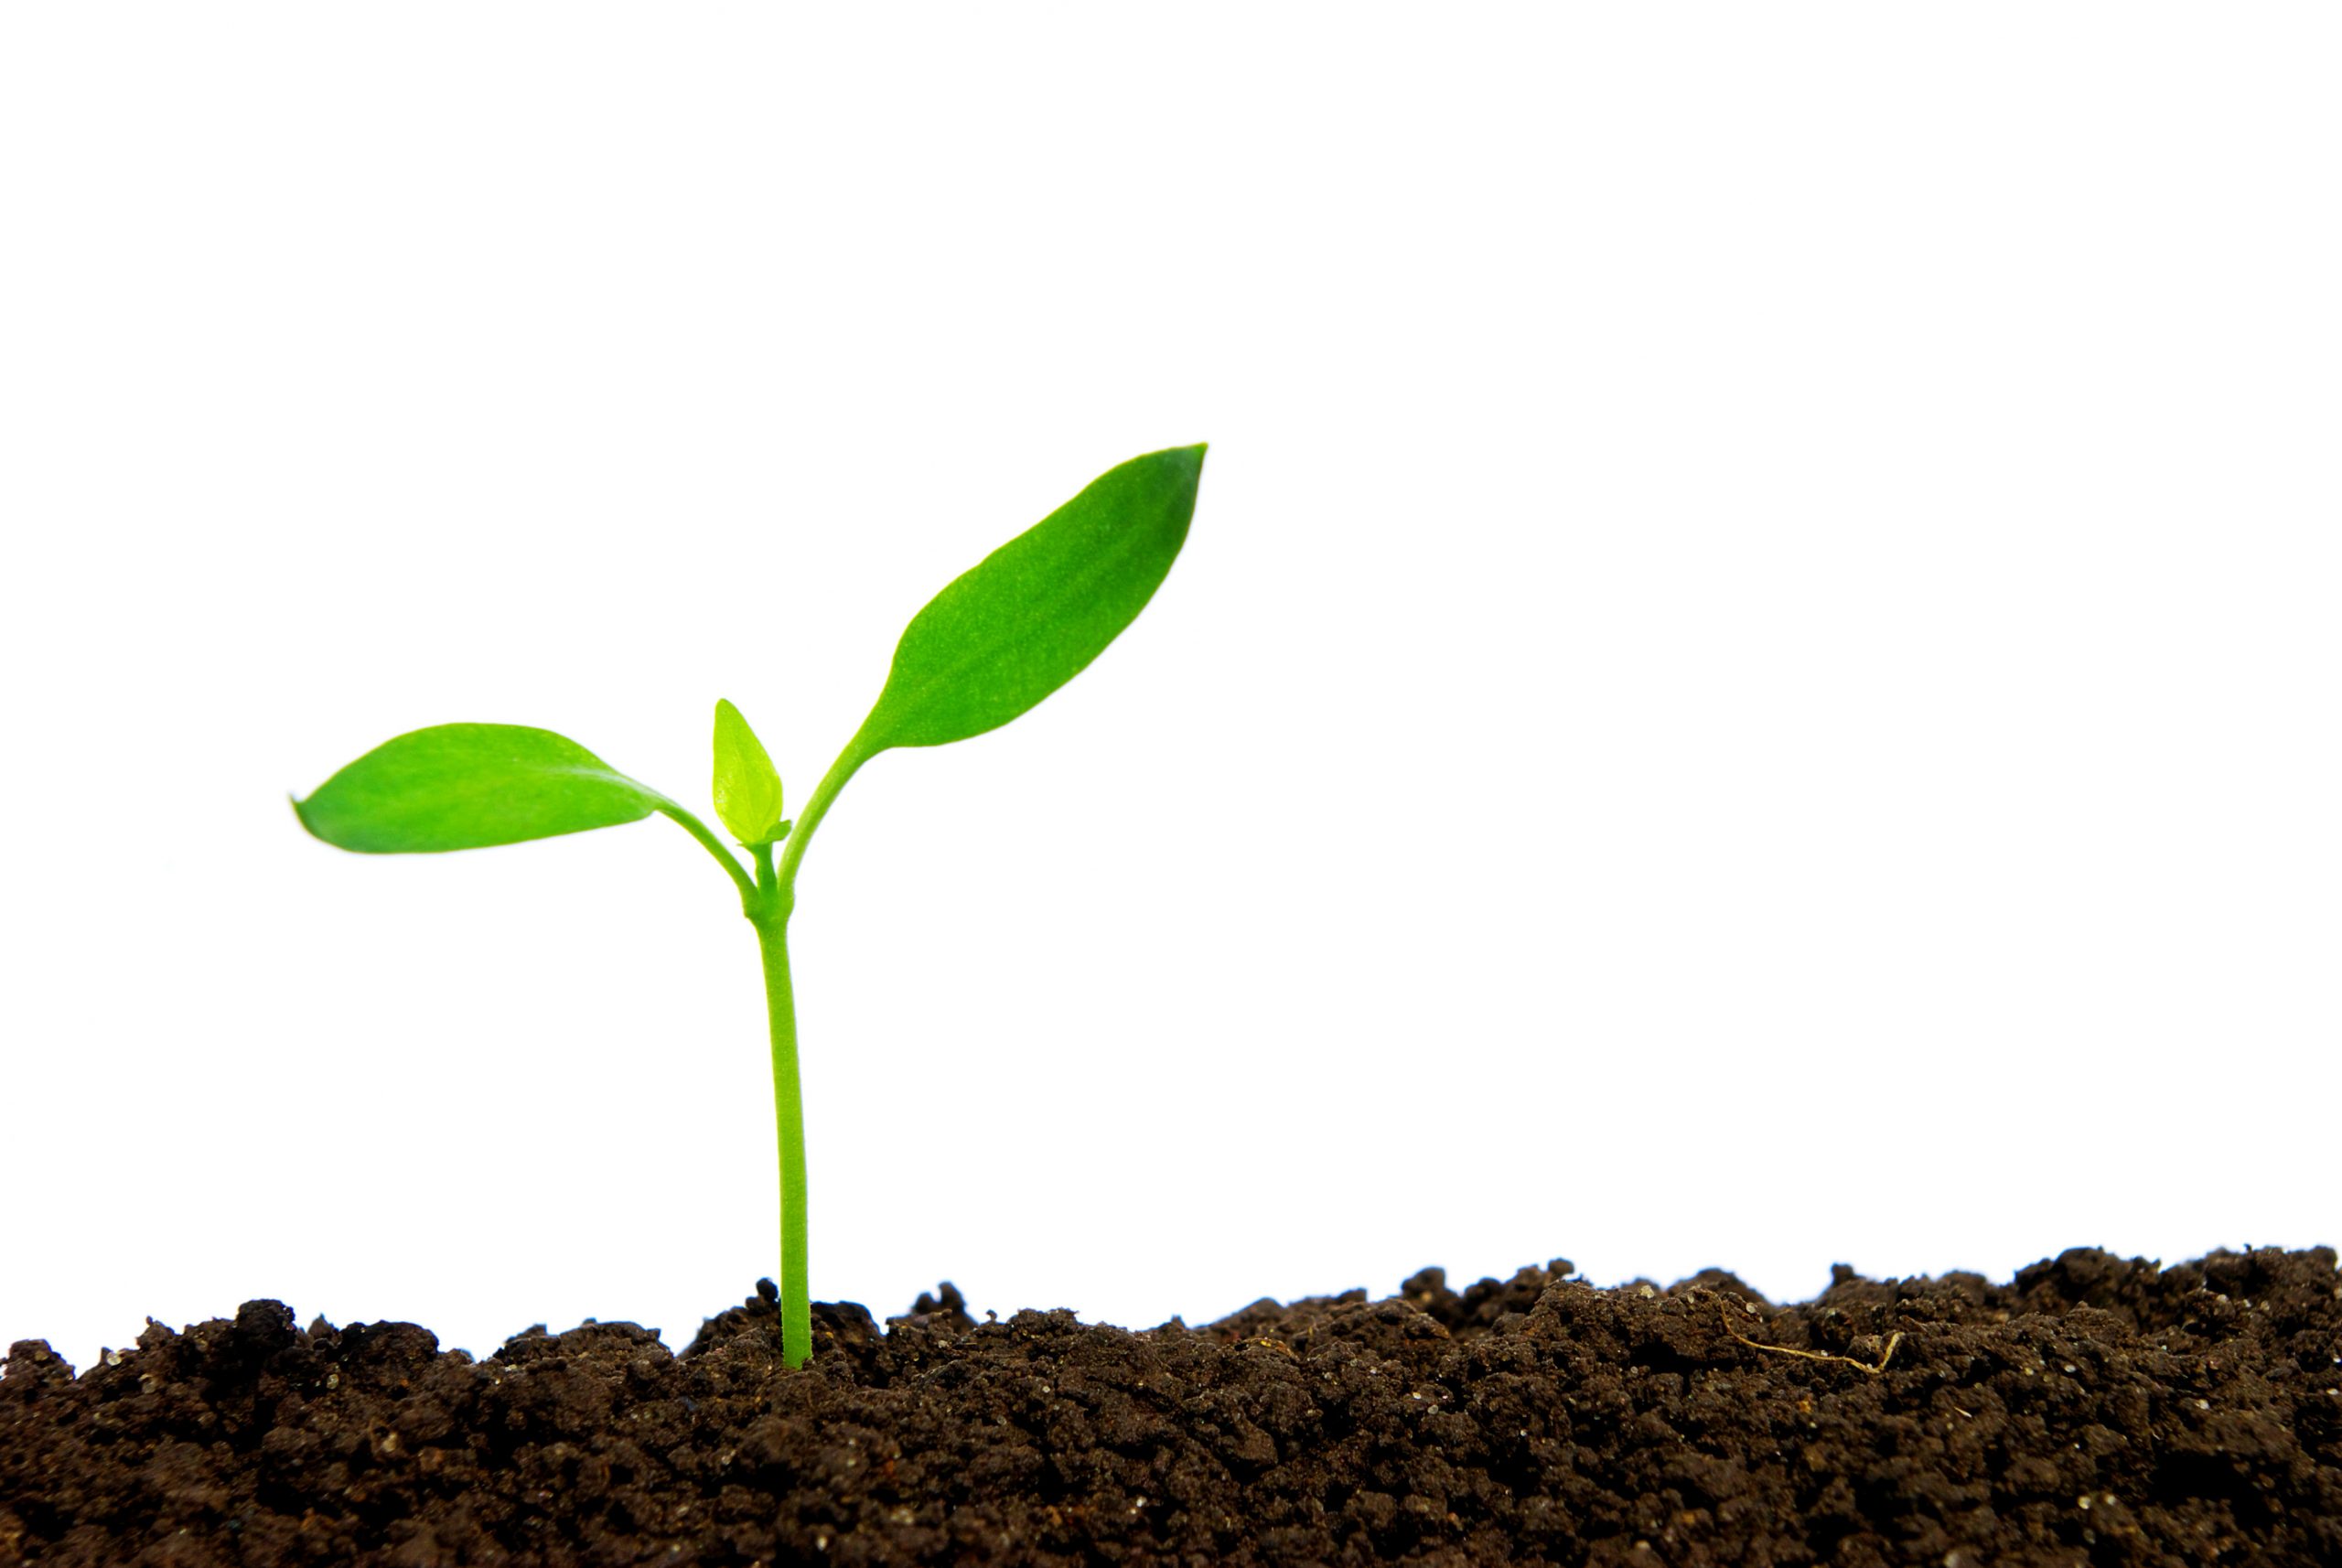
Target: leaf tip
{"points": [[1189, 457], [308, 821], [1181, 469]]}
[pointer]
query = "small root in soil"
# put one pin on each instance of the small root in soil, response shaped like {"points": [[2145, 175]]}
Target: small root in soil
{"points": [[1884, 1355]]}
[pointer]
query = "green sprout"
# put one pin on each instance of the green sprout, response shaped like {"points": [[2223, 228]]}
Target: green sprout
{"points": [[996, 641]]}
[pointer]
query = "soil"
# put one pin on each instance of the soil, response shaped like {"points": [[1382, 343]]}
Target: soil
{"points": [[2093, 1411]]}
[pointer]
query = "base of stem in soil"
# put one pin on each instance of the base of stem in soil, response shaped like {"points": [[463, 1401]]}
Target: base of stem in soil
{"points": [[2094, 1411]]}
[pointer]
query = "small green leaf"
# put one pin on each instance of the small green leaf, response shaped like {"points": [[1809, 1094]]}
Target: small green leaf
{"points": [[747, 787], [1033, 614], [470, 786]]}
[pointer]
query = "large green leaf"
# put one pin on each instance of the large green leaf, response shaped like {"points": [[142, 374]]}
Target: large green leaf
{"points": [[1033, 614], [470, 786], [747, 786]]}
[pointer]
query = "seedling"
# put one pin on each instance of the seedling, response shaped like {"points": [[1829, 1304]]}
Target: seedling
{"points": [[1001, 637]]}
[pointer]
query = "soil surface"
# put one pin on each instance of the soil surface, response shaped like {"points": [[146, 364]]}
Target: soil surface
{"points": [[2093, 1411]]}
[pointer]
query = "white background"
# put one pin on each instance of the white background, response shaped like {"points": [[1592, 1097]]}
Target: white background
{"points": [[1755, 682]]}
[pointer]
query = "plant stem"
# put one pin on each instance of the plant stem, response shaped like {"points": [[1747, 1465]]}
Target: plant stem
{"points": [[714, 846], [792, 849], [768, 902], [788, 1114]]}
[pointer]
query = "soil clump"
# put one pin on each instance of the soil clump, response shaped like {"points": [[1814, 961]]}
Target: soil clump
{"points": [[2094, 1412]]}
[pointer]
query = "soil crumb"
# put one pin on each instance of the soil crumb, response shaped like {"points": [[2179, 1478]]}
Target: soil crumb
{"points": [[2093, 1411]]}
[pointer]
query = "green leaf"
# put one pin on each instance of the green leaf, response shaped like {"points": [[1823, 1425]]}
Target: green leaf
{"points": [[1033, 614], [747, 787], [470, 786]]}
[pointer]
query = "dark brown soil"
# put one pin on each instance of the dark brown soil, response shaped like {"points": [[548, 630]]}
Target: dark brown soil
{"points": [[2095, 1412]]}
